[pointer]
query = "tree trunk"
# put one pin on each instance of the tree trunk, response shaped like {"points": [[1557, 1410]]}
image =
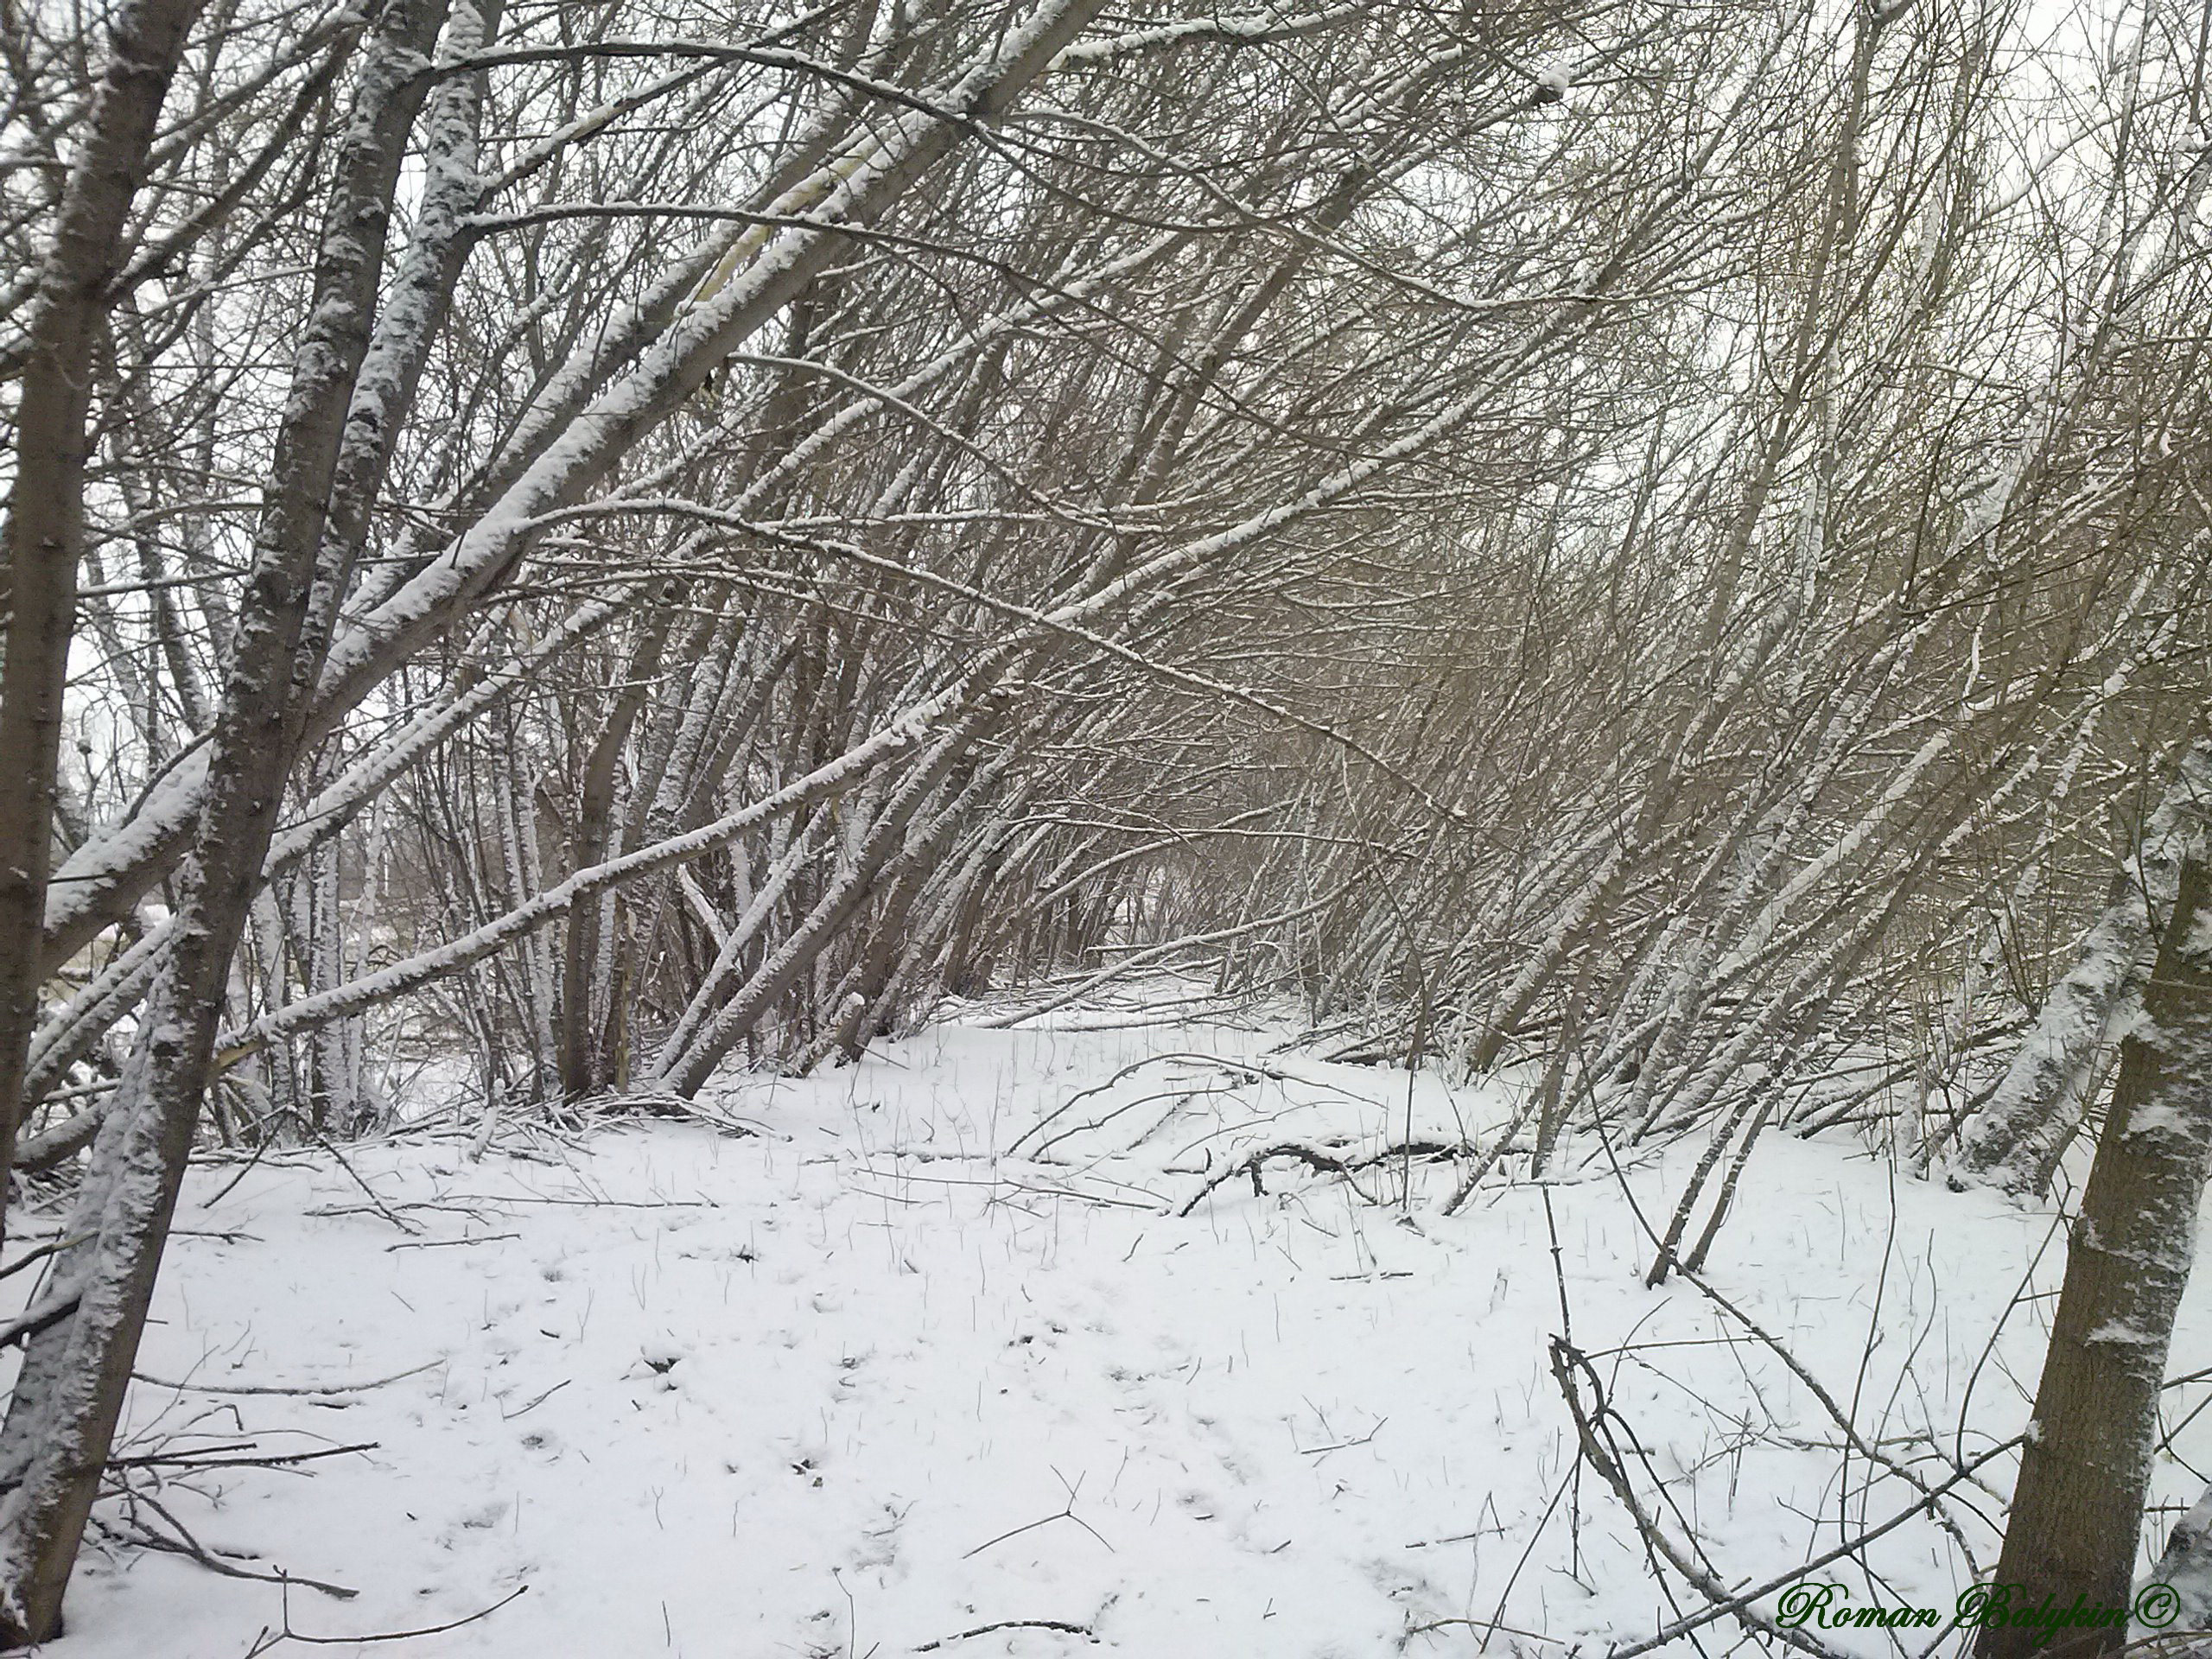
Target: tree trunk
{"points": [[62, 1417], [45, 532], [594, 826], [2037, 1104], [2077, 1510]]}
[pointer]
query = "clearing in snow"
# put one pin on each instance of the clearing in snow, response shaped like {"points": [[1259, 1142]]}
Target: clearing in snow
{"points": [[920, 1355]]}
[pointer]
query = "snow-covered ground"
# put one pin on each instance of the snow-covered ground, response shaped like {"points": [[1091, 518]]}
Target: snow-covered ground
{"points": [[862, 1383]]}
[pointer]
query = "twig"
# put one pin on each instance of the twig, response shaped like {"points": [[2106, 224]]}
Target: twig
{"points": [[441, 1244], [1542, 1521], [41, 1253], [1084, 1630], [186, 1545], [506, 1416], [1239, 1074], [250, 1166], [1566, 1360], [267, 1388], [1929, 1496], [1843, 1420], [1322, 1163], [1486, 1626], [268, 1638], [1344, 1445], [458, 1202], [51, 1312], [382, 1208], [203, 1460], [1066, 1514], [1720, 1603]]}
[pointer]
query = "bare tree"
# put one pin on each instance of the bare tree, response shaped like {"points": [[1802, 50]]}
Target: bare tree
{"points": [[2077, 1508]]}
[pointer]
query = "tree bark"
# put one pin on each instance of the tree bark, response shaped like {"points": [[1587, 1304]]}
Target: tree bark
{"points": [[45, 533], [2077, 1509], [69, 1394], [594, 824], [2037, 1104]]}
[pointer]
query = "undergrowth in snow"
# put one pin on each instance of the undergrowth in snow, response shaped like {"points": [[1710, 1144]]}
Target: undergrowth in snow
{"points": [[900, 1370]]}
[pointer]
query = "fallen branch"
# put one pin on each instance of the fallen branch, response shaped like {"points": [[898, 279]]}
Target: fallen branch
{"points": [[506, 1416], [1320, 1162], [1591, 1435], [1720, 1603], [192, 1549], [1084, 1630], [1239, 1075], [1066, 1513], [206, 1460], [1345, 1446], [443, 1243], [270, 1638], [272, 1388]]}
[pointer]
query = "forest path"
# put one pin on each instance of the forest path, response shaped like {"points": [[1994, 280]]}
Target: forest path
{"points": [[850, 1386]]}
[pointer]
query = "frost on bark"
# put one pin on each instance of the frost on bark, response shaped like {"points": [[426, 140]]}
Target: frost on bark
{"points": [[2013, 1141], [2077, 1509]]}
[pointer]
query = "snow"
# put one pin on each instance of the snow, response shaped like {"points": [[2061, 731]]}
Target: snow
{"points": [[862, 1381], [2186, 1566]]}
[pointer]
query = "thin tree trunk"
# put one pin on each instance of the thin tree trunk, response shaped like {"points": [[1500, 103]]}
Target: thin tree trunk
{"points": [[594, 824]]}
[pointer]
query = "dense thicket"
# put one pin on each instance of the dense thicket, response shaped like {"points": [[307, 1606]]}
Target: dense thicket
{"points": [[1661, 547]]}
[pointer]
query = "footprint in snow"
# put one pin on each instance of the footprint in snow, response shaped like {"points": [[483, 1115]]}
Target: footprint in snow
{"points": [[482, 1518]]}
